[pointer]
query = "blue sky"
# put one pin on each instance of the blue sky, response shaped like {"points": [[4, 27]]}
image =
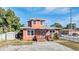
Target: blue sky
{"points": [[51, 14]]}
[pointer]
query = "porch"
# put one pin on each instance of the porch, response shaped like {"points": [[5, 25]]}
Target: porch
{"points": [[43, 34]]}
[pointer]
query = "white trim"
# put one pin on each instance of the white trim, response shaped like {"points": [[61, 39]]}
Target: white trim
{"points": [[30, 32]]}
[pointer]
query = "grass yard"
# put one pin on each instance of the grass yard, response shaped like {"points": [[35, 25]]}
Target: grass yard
{"points": [[71, 44], [14, 42]]}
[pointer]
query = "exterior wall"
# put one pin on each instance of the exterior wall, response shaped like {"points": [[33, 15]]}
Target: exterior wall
{"points": [[77, 32], [37, 25], [38, 34], [26, 37], [71, 32]]}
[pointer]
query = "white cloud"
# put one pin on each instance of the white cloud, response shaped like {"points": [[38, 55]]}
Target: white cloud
{"points": [[46, 10], [75, 18], [62, 10], [57, 10], [64, 22]]}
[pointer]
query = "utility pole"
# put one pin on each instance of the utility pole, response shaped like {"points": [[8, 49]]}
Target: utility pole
{"points": [[70, 21], [71, 18]]}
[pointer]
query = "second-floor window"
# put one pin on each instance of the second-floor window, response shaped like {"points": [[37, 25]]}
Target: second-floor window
{"points": [[34, 22], [41, 22]]}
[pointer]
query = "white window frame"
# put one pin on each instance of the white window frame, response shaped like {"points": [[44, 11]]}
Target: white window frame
{"points": [[34, 22], [41, 22], [30, 32]]}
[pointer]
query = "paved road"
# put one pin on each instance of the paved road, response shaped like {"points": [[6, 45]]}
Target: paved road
{"points": [[37, 46]]}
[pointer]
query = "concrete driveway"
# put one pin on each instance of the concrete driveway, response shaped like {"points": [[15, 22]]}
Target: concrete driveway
{"points": [[37, 46]]}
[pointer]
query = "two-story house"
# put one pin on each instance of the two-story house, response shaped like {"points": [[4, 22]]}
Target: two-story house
{"points": [[37, 30]]}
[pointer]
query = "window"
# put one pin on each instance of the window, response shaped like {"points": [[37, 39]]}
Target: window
{"points": [[30, 32], [53, 31], [41, 22], [34, 22], [50, 31]]}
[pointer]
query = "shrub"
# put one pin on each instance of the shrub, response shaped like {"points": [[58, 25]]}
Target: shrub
{"points": [[56, 36]]}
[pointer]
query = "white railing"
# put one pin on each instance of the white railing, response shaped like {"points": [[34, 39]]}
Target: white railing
{"points": [[71, 38]]}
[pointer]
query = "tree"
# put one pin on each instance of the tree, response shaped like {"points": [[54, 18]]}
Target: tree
{"points": [[56, 36], [16, 24], [57, 25], [13, 20], [21, 25], [8, 20], [71, 25], [3, 23]]}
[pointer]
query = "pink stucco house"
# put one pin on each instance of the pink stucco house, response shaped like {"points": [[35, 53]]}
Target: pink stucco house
{"points": [[37, 30]]}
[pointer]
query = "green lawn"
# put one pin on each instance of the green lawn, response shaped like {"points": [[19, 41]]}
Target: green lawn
{"points": [[71, 44]]}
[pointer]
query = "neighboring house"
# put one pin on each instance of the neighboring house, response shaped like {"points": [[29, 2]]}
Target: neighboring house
{"points": [[77, 31], [70, 32], [37, 30]]}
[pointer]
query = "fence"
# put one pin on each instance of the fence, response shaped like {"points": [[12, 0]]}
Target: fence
{"points": [[71, 38], [8, 36]]}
